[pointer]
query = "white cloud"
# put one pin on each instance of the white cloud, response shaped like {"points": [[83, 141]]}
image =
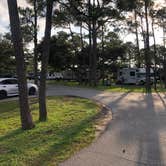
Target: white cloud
{"points": [[4, 16], [4, 22]]}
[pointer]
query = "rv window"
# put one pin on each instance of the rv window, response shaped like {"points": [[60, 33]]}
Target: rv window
{"points": [[132, 73], [120, 73]]}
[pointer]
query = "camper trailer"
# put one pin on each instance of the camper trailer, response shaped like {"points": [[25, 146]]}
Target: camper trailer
{"points": [[133, 76]]}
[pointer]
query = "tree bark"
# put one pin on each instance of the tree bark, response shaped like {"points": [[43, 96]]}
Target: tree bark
{"points": [[102, 53], [94, 62], [26, 118], [137, 41], [44, 63], [90, 42], [94, 46], [35, 44], [147, 51], [155, 58], [164, 59]]}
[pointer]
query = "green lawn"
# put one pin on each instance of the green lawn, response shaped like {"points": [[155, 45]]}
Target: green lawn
{"points": [[70, 127], [112, 88]]}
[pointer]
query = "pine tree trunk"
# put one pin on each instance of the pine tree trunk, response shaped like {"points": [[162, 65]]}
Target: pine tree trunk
{"points": [[155, 58], [102, 53], [44, 63], [35, 44], [147, 51], [94, 46], [164, 59], [26, 118], [94, 62], [90, 42], [137, 41]]}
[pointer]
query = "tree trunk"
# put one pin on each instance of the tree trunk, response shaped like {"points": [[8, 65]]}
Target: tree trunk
{"points": [[90, 42], [143, 33], [147, 51], [35, 44], [137, 41], [94, 54], [164, 59], [155, 58], [84, 58], [75, 54], [26, 118], [164, 71], [102, 54], [44, 63], [94, 62]]}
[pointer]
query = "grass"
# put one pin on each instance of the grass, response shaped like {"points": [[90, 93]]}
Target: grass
{"points": [[112, 88], [70, 127]]}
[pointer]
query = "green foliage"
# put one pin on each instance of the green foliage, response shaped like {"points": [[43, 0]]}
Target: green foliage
{"points": [[7, 60], [68, 129], [27, 24]]}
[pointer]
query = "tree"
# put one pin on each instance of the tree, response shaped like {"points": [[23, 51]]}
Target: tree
{"points": [[44, 63], [7, 59], [144, 5], [26, 118], [147, 47], [61, 55], [30, 27], [161, 16]]}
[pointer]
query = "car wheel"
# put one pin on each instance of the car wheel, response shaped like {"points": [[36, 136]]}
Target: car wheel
{"points": [[32, 91], [3, 94]]}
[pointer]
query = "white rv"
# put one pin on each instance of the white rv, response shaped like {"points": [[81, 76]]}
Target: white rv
{"points": [[133, 76]]}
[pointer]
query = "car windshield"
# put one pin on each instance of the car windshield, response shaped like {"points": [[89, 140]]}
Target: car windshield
{"points": [[9, 81]]}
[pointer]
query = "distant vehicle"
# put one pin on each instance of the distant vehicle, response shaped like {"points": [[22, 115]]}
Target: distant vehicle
{"points": [[133, 76], [69, 75], [54, 76], [9, 87], [31, 76]]}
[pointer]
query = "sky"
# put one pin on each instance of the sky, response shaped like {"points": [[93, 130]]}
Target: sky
{"points": [[4, 22]]}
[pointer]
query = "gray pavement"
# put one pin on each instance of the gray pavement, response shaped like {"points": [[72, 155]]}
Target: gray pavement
{"points": [[135, 137]]}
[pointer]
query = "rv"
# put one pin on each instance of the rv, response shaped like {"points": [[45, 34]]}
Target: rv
{"points": [[133, 76], [54, 76]]}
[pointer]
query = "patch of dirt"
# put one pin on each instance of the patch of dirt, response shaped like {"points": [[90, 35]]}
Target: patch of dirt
{"points": [[102, 120], [4, 150]]}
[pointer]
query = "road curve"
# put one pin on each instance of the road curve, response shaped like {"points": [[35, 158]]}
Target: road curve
{"points": [[135, 137]]}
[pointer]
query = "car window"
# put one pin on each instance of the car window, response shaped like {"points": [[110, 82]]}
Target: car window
{"points": [[9, 82], [132, 73]]}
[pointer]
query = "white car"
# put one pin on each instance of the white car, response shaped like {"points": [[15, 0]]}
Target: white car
{"points": [[9, 87]]}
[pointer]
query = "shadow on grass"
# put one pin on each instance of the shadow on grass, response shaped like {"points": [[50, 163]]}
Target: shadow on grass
{"points": [[162, 100], [49, 141], [69, 142]]}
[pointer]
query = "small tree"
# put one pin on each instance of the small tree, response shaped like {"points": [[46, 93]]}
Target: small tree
{"points": [[26, 118], [44, 63]]}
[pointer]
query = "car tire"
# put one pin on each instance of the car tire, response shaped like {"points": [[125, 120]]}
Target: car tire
{"points": [[3, 94], [32, 91]]}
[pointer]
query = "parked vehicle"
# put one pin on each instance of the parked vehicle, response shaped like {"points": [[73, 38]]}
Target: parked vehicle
{"points": [[54, 76], [133, 76], [9, 87]]}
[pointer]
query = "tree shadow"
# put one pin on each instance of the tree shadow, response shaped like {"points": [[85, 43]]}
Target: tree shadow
{"points": [[162, 100], [149, 147], [133, 136], [68, 137], [61, 138]]}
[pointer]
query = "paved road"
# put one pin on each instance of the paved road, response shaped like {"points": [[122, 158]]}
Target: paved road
{"points": [[135, 137]]}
